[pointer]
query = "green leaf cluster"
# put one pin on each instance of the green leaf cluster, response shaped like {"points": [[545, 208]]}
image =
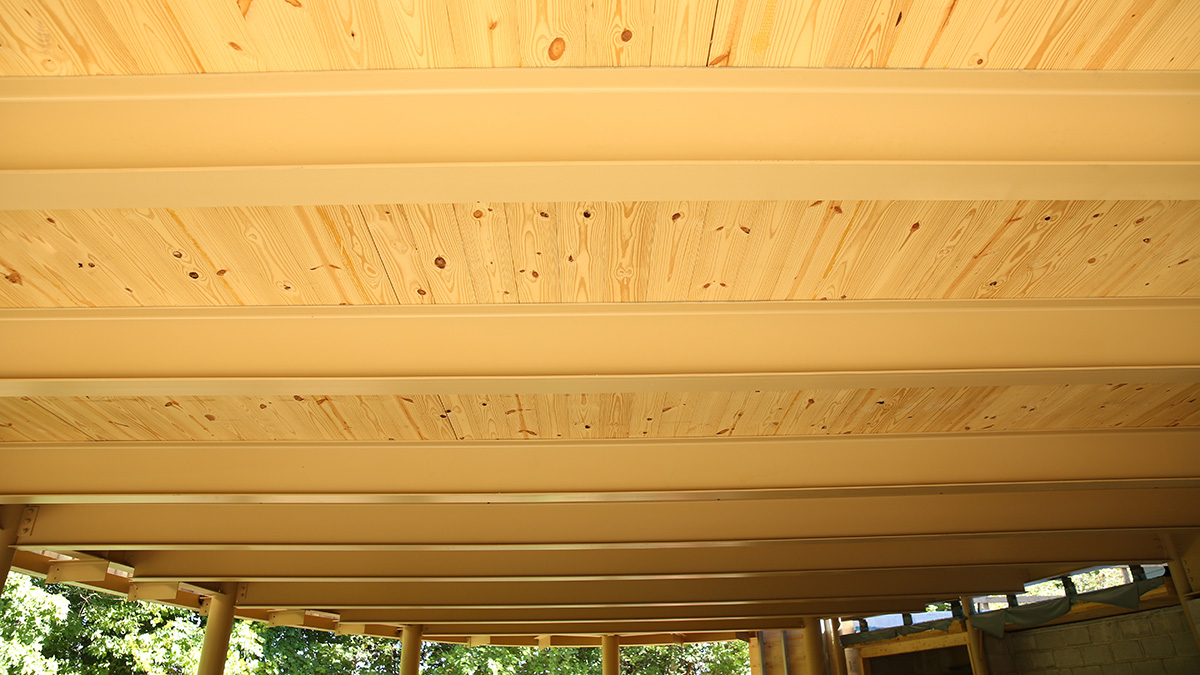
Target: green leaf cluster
{"points": [[64, 630]]}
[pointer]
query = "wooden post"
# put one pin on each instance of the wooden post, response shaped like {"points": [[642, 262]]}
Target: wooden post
{"points": [[756, 660], [833, 644], [814, 648], [610, 656], [410, 650], [979, 664], [1183, 584], [217, 632]]}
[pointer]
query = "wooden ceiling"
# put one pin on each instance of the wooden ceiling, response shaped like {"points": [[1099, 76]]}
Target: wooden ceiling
{"points": [[706, 371], [145, 37]]}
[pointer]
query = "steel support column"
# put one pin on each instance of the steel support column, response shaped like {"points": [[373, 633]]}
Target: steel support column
{"points": [[10, 519], [833, 644], [610, 646], [814, 648], [217, 632], [410, 650]]}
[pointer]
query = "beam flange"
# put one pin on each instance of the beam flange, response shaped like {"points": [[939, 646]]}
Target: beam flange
{"points": [[497, 134]]}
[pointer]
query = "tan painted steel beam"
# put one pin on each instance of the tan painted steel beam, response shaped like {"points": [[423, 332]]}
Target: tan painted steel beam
{"points": [[594, 628], [431, 472], [685, 613], [232, 350], [367, 526], [495, 134], [1085, 549]]}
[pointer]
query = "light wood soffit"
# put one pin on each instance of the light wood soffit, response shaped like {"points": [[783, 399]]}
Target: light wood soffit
{"points": [[447, 136], [76, 37], [588, 252]]}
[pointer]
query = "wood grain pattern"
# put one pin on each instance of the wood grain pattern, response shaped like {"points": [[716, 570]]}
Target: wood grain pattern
{"points": [[581, 416], [602, 252], [106, 37], [227, 418], [190, 257], [1002, 34]]}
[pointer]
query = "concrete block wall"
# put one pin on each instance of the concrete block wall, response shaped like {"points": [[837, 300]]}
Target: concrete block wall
{"points": [[1153, 642]]}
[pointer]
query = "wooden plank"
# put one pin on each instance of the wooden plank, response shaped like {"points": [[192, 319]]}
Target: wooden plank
{"points": [[1029, 34], [144, 37], [624, 252], [913, 644]]}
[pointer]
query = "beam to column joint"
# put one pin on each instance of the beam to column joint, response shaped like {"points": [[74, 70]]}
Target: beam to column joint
{"points": [[217, 632]]}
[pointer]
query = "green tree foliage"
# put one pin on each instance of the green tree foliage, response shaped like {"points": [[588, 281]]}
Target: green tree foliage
{"points": [[62, 630]]}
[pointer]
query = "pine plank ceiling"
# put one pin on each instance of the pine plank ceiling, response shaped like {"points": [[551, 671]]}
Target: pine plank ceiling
{"points": [[1040, 252]]}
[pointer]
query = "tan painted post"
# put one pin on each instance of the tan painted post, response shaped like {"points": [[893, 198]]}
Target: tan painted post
{"points": [[410, 650], [10, 520], [217, 632], [814, 647], [610, 646], [979, 664], [833, 644], [1181, 581]]}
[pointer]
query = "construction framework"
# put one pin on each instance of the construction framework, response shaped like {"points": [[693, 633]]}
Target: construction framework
{"points": [[588, 354]]}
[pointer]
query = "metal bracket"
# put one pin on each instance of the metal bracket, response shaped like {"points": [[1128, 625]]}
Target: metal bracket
{"points": [[28, 518]]}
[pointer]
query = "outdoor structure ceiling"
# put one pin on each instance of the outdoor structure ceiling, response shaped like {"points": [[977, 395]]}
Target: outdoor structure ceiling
{"points": [[378, 314]]}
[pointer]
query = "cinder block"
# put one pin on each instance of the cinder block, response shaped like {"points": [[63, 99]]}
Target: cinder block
{"points": [[1043, 659], [1127, 650], [1158, 647], [1117, 669], [1134, 627], [1168, 621], [1147, 668], [1068, 658], [1087, 670], [1077, 635], [1051, 639], [1182, 665], [1024, 661], [1104, 632], [1185, 644], [1022, 642], [1097, 655], [999, 659]]}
